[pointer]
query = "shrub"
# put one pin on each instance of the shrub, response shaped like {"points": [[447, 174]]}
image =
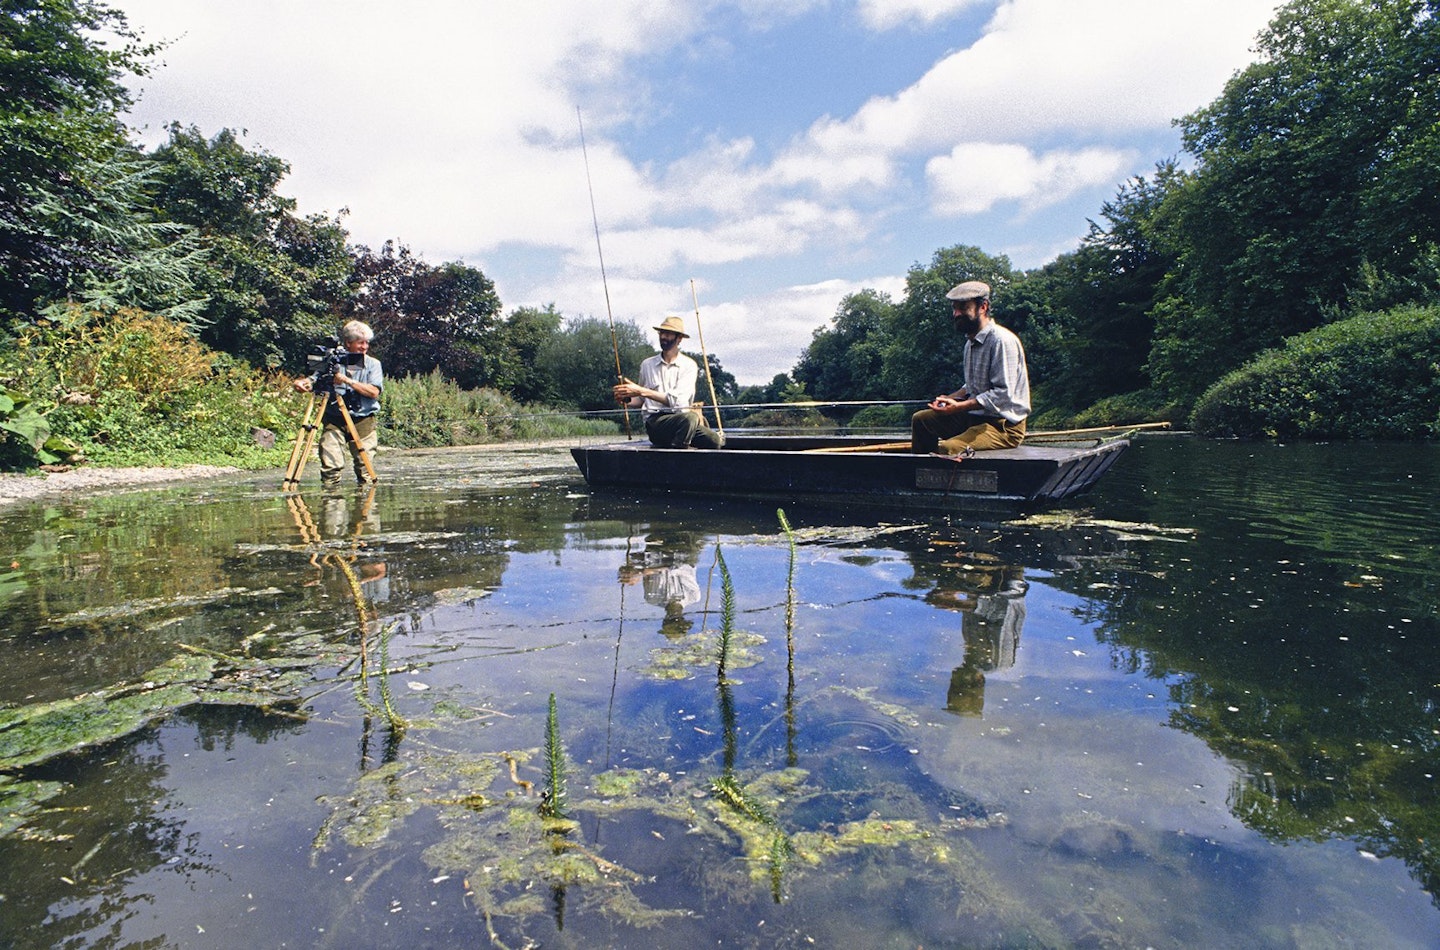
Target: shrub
{"points": [[1375, 376], [430, 410], [133, 388]]}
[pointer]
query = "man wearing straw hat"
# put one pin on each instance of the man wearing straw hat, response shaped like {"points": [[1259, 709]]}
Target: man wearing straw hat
{"points": [[989, 410], [665, 395]]}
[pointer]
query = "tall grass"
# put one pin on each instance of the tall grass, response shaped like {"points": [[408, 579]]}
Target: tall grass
{"points": [[430, 410]]}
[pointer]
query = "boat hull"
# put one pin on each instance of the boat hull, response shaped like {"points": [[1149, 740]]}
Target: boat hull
{"points": [[840, 469]]}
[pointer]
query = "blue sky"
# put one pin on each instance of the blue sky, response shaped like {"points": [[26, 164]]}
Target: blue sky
{"points": [[780, 154]]}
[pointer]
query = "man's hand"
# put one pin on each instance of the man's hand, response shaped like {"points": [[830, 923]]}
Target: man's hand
{"points": [[945, 404], [625, 390]]}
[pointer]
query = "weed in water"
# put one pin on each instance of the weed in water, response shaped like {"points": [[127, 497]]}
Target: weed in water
{"points": [[553, 799], [727, 617]]}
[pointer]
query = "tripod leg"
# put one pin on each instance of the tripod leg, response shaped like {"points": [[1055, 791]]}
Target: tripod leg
{"points": [[304, 433], [310, 437], [355, 440]]}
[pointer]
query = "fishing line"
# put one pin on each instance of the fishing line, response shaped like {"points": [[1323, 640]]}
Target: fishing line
{"points": [[604, 282]]}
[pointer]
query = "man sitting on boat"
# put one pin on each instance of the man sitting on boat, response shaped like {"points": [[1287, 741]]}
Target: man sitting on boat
{"points": [[989, 410], [665, 395]]}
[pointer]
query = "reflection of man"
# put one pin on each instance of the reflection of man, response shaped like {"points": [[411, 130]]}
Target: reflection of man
{"points": [[358, 381], [667, 575], [337, 525], [990, 623], [665, 395], [989, 410]]}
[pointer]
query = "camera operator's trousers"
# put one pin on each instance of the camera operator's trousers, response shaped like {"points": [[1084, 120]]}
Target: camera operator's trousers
{"points": [[335, 445]]}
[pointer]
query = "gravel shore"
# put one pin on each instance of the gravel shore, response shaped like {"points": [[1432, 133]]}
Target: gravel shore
{"points": [[27, 487]]}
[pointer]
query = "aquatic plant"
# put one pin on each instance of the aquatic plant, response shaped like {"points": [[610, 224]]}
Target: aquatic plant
{"points": [[397, 723], [729, 791], [789, 590], [553, 798], [727, 617]]}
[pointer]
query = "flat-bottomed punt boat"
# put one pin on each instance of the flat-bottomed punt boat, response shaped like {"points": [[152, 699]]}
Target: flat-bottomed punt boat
{"points": [[866, 470]]}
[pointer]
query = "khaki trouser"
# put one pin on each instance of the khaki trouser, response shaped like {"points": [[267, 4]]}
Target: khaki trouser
{"points": [[335, 443], [952, 433], [681, 429]]}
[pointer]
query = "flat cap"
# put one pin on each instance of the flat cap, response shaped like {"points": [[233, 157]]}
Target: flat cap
{"points": [[970, 290]]}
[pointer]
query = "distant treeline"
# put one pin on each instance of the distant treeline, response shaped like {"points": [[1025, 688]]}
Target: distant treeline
{"points": [[1312, 195]]}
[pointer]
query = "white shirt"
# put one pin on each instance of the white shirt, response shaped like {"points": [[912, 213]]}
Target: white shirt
{"points": [[675, 381]]}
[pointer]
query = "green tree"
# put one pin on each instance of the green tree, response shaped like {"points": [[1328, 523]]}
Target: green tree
{"points": [[923, 353], [579, 361], [844, 359], [726, 388], [64, 155], [525, 334], [1087, 314], [275, 281], [1316, 162]]}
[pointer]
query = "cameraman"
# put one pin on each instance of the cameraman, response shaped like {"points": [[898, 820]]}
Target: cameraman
{"points": [[358, 380]]}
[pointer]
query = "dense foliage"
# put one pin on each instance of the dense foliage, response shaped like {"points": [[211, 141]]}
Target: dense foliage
{"points": [[133, 388], [1312, 198], [1354, 379]]}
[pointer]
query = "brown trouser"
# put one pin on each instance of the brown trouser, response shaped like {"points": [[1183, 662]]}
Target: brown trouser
{"points": [[952, 433], [681, 429], [334, 443]]}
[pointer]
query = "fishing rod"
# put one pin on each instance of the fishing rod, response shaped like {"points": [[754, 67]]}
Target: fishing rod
{"points": [[614, 340], [714, 400]]}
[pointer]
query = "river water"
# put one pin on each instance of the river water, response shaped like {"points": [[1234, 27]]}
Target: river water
{"points": [[1196, 708]]}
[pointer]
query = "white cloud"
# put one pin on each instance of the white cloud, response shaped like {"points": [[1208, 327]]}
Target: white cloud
{"points": [[888, 14], [451, 125], [974, 178], [1077, 68], [766, 334]]}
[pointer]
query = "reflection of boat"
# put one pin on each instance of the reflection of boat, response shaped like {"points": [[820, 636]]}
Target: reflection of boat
{"points": [[856, 470]]}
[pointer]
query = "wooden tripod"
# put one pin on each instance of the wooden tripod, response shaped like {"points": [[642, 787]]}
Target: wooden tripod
{"points": [[310, 427]]}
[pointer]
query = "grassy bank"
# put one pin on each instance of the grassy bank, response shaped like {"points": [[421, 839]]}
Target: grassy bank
{"points": [[134, 389]]}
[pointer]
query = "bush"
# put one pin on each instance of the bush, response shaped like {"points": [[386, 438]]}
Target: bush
{"points": [[133, 388], [883, 417], [430, 410], [1375, 376]]}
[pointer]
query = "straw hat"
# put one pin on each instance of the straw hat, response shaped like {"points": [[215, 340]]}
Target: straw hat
{"points": [[673, 325]]}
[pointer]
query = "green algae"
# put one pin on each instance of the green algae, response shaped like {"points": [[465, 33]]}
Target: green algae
{"points": [[21, 800], [39, 732], [698, 651]]}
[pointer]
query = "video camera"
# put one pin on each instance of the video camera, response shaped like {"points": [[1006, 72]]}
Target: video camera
{"points": [[327, 360]]}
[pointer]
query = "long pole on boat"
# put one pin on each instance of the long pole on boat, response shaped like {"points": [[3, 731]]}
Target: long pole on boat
{"points": [[614, 340], [714, 400]]}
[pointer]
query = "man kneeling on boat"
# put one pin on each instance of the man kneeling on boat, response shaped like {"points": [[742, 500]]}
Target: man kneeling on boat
{"points": [[989, 410], [665, 395]]}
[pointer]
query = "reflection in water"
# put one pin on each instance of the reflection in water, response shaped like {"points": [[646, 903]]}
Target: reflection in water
{"points": [[664, 563], [992, 617], [1297, 638]]}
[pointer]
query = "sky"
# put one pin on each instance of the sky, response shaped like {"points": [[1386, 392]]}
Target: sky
{"points": [[779, 154]]}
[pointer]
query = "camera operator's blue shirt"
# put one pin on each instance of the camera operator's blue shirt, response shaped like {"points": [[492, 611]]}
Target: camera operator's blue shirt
{"points": [[362, 406]]}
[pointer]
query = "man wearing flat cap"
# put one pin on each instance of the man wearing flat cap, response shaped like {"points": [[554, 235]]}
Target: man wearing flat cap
{"points": [[989, 410], [665, 395]]}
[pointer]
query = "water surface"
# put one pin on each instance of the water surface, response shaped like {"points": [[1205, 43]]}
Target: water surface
{"points": [[1197, 709]]}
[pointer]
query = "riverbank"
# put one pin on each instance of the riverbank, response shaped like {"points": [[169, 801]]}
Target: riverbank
{"points": [[15, 487]]}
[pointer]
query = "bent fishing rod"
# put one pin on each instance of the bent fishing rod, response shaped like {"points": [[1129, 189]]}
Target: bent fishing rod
{"points": [[594, 217]]}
